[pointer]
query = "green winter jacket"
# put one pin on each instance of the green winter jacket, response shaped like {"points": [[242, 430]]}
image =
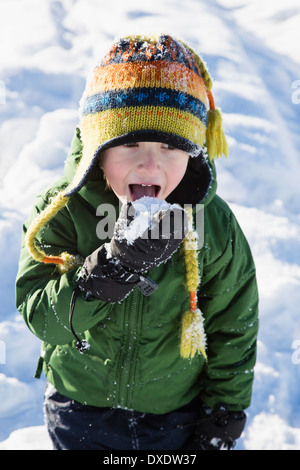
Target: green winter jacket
{"points": [[134, 360]]}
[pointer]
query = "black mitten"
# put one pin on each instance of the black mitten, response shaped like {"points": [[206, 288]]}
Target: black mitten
{"points": [[141, 241], [217, 429], [105, 278]]}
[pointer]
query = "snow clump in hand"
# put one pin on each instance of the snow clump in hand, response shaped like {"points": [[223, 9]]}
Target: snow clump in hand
{"points": [[141, 222]]}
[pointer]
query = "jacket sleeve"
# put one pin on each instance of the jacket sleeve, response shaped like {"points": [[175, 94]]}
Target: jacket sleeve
{"points": [[229, 301], [43, 295]]}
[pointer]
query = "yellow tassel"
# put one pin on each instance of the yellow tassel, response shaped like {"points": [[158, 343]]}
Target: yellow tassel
{"points": [[69, 262], [65, 260], [193, 338], [215, 138]]}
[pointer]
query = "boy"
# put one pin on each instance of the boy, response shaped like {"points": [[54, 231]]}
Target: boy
{"points": [[148, 342]]}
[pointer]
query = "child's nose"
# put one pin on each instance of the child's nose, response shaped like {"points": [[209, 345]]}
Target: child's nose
{"points": [[149, 161]]}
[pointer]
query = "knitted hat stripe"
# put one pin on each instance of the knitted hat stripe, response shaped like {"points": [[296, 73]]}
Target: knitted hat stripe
{"points": [[165, 48], [144, 96], [139, 75], [100, 127]]}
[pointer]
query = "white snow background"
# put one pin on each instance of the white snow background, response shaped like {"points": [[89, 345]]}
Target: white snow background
{"points": [[252, 51]]}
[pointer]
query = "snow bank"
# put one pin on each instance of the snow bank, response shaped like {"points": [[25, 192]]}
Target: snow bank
{"points": [[31, 438], [275, 23], [270, 432]]}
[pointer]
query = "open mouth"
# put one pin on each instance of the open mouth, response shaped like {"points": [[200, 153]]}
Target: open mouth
{"points": [[140, 190]]}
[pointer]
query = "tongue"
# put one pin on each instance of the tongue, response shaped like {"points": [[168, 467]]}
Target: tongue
{"points": [[139, 191]]}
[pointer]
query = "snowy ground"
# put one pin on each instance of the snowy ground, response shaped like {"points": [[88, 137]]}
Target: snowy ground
{"points": [[252, 50]]}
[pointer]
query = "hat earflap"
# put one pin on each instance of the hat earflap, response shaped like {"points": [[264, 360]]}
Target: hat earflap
{"points": [[65, 261], [193, 338]]}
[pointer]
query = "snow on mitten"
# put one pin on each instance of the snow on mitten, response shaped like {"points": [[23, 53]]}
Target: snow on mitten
{"points": [[146, 234]]}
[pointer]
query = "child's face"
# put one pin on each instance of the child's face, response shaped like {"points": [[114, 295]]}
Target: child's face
{"points": [[143, 169]]}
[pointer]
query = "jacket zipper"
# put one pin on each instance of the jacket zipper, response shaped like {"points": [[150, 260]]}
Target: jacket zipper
{"points": [[127, 358]]}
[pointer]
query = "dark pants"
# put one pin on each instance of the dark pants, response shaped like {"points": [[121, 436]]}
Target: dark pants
{"points": [[73, 426]]}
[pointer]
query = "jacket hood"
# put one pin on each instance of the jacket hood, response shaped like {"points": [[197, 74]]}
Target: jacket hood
{"points": [[198, 185]]}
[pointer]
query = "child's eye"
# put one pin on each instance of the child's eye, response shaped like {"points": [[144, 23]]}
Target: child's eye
{"points": [[167, 146], [131, 144]]}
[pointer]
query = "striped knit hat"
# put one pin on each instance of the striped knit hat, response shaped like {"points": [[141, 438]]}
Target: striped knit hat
{"points": [[145, 89], [148, 89]]}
